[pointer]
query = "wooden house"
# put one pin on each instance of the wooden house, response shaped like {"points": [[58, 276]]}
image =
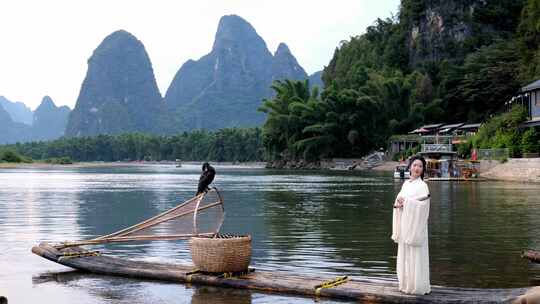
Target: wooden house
{"points": [[530, 97]]}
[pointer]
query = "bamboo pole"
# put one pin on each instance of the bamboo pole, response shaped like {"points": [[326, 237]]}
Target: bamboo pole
{"points": [[146, 221], [151, 224], [124, 234], [170, 237]]}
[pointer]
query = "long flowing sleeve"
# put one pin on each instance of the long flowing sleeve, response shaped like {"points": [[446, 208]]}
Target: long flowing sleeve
{"points": [[396, 222], [416, 213]]}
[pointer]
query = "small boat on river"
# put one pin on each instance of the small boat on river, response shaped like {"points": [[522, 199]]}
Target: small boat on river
{"points": [[343, 287], [402, 172]]}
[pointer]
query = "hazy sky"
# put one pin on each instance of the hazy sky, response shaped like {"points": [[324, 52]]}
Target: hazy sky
{"points": [[45, 45]]}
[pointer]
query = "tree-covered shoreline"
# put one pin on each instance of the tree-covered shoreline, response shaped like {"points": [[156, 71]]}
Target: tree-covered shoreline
{"points": [[234, 145]]}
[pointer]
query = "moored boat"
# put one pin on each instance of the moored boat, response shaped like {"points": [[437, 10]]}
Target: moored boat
{"points": [[402, 172], [444, 165]]}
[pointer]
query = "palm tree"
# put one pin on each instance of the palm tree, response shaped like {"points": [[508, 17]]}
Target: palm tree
{"points": [[286, 116]]}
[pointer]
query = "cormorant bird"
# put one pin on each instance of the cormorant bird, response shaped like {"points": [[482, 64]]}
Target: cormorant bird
{"points": [[207, 176]]}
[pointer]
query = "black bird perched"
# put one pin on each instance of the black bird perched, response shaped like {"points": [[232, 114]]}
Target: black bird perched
{"points": [[207, 176]]}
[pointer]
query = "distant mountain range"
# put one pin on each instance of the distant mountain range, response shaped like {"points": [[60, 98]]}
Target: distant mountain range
{"points": [[47, 122], [119, 94], [222, 89], [18, 111], [12, 131]]}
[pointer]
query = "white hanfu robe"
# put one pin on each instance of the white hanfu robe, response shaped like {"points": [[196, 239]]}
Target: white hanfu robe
{"points": [[410, 232]]}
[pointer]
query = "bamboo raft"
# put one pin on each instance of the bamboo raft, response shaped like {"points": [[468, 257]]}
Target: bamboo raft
{"points": [[368, 291], [532, 255]]}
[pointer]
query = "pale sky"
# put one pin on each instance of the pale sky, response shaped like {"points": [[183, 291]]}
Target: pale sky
{"points": [[45, 44]]}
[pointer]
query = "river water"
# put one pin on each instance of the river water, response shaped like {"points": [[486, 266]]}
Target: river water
{"points": [[302, 222]]}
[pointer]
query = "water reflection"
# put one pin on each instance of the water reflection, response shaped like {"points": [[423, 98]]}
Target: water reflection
{"points": [[213, 295], [302, 222], [34, 214], [108, 289], [476, 233], [328, 232]]}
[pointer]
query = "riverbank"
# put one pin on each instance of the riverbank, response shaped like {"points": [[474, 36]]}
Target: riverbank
{"points": [[515, 169], [40, 165], [254, 165], [99, 164], [331, 164], [387, 166]]}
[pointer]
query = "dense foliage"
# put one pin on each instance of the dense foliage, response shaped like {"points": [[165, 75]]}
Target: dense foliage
{"points": [[503, 131], [302, 124], [529, 41], [486, 80], [10, 156], [222, 145], [436, 62]]}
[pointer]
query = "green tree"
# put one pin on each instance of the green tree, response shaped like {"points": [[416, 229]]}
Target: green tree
{"points": [[529, 141], [488, 78], [502, 131], [235, 145], [529, 41], [284, 124], [11, 156]]}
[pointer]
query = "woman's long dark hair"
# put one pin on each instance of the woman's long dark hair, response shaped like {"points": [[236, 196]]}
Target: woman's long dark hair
{"points": [[415, 157]]}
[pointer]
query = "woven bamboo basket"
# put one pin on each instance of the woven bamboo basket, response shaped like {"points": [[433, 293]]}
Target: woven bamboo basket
{"points": [[223, 253]]}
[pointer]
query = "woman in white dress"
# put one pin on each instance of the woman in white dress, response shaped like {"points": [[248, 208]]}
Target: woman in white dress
{"points": [[410, 231]]}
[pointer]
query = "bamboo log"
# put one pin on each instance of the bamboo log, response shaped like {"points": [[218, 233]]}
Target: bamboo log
{"points": [[532, 255], [363, 290]]}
